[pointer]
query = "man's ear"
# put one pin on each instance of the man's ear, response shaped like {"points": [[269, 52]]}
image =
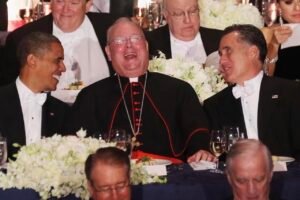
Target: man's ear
{"points": [[88, 5], [107, 50], [31, 61], [253, 52]]}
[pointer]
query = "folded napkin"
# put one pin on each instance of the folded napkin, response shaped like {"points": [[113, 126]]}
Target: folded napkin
{"points": [[203, 165], [140, 154], [279, 166]]}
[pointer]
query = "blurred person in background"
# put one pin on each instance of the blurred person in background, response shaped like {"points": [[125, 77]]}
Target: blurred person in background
{"points": [[284, 62]]}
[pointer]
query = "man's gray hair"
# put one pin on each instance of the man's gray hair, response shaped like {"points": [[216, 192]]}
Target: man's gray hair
{"points": [[248, 146]]}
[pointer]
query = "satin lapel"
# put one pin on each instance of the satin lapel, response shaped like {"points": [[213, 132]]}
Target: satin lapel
{"points": [[264, 105], [166, 43], [17, 128]]}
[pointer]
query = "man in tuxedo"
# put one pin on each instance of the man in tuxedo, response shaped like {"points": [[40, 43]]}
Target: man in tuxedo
{"points": [[264, 108], [162, 113], [83, 36], [249, 170], [26, 111], [3, 15], [182, 36], [108, 174]]}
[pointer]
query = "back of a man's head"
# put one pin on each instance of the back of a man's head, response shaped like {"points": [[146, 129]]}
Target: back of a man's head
{"points": [[249, 169]]}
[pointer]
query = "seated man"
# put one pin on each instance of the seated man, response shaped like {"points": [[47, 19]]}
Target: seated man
{"points": [[108, 174], [162, 113], [264, 108], [249, 170], [83, 36], [182, 36], [26, 111]]}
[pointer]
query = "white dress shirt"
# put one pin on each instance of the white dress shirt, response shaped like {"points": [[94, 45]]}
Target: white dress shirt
{"points": [[102, 6], [250, 105], [84, 58], [193, 50], [32, 112]]}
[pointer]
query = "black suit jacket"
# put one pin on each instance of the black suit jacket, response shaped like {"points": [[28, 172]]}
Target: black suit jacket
{"points": [[12, 125], [100, 22], [159, 39], [278, 114]]}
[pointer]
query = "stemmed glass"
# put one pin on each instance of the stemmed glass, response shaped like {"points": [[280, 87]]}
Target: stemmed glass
{"points": [[122, 139], [217, 144], [3, 151], [155, 10], [232, 134], [269, 11], [140, 13]]}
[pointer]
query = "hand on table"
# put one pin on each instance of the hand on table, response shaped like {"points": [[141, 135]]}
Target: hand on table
{"points": [[201, 155]]}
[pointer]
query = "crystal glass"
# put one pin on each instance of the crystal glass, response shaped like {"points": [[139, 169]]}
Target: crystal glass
{"points": [[217, 145], [232, 135], [155, 10], [3, 151], [122, 139]]}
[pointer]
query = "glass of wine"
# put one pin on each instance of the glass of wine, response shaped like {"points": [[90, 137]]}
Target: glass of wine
{"points": [[155, 10], [217, 144], [3, 151]]}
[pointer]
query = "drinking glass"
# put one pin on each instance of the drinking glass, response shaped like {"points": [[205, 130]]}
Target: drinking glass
{"points": [[217, 144], [232, 135], [269, 11], [140, 14], [3, 151], [155, 10], [122, 139]]}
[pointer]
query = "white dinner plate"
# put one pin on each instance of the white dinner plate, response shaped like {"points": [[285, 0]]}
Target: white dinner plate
{"points": [[160, 162], [283, 158]]}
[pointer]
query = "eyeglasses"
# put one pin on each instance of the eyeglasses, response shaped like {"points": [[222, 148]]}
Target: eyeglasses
{"points": [[120, 41], [181, 14], [72, 2], [119, 188]]}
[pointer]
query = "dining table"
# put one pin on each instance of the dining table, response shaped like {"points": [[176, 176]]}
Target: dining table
{"points": [[183, 183]]}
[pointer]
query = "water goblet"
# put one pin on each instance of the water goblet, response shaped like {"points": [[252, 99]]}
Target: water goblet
{"points": [[3, 151], [122, 139], [232, 135], [140, 14]]}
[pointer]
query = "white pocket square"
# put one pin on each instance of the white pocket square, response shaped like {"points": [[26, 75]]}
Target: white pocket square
{"points": [[275, 96]]}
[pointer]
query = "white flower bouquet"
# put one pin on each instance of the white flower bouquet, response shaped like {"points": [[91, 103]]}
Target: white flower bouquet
{"points": [[54, 166], [219, 14], [206, 81]]}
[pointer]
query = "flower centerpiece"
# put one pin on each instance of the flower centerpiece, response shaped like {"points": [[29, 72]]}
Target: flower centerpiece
{"points": [[219, 14], [206, 81], [54, 166]]}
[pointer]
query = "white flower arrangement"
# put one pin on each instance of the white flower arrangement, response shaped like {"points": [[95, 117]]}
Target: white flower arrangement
{"points": [[219, 14], [206, 81], [54, 166]]}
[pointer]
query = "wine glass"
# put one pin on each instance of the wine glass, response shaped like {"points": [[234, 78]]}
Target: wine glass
{"points": [[269, 11], [217, 144], [232, 135], [3, 151], [122, 139], [155, 10], [140, 13]]}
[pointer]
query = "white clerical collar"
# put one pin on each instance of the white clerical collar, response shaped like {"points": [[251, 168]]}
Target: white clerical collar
{"points": [[134, 79]]}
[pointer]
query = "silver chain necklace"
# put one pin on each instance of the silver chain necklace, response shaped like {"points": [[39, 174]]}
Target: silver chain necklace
{"points": [[126, 108]]}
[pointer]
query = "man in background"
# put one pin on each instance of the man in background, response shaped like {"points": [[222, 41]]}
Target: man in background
{"points": [[3, 15], [249, 170], [108, 174], [27, 111], [182, 36]]}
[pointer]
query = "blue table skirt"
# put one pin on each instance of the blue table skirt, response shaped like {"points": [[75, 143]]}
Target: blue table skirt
{"points": [[185, 184]]}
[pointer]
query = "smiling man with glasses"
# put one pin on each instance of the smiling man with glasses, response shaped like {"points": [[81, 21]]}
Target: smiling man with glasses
{"points": [[182, 36]]}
